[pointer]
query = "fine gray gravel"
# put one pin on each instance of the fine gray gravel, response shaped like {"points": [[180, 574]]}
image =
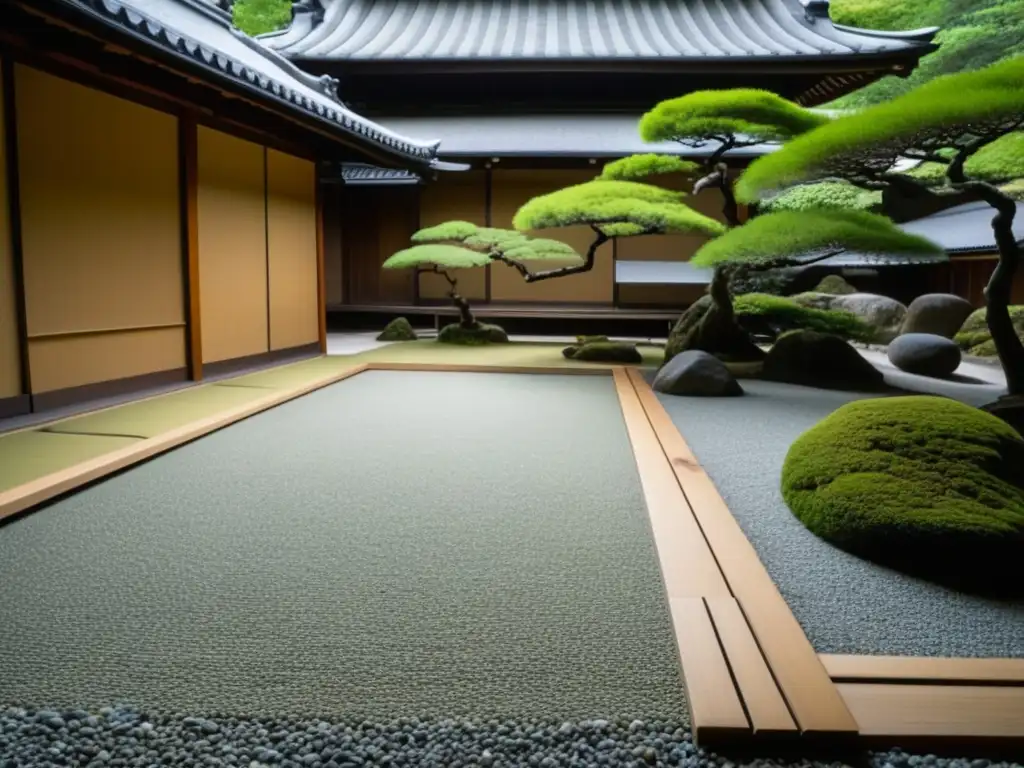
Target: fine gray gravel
{"points": [[125, 736], [398, 544], [845, 604]]}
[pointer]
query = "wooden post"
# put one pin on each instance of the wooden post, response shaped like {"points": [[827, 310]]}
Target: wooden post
{"points": [[188, 151], [321, 276]]}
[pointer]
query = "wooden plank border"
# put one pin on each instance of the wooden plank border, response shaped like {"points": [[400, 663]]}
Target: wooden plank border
{"points": [[924, 670], [813, 700]]}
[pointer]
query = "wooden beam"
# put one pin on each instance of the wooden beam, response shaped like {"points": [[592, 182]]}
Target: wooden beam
{"points": [[10, 138], [188, 148], [923, 670], [321, 271], [812, 697], [960, 717]]}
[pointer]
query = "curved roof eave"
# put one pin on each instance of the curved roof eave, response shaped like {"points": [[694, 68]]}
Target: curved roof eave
{"points": [[204, 35]]}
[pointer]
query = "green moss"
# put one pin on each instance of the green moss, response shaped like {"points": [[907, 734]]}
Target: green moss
{"points": [[604, 352], [482, 333], [642, 166], [748, 112], [398, 329], [822, 360], [835, 285], [788, 236], [783, 314], [975, 338], [925, 484]]}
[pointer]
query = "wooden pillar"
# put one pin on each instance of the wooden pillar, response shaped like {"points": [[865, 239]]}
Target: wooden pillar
{"points": [[188, 150], [321, 272], [9, 130], [488, 196]]}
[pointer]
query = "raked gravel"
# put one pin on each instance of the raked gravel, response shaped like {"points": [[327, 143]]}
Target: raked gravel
{"points": [[399, 543], [845, 604], [126, 737]]}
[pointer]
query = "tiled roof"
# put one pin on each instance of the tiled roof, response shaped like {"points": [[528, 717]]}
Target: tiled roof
{"points": [[357, 173], [390, 30], [203, 33]]}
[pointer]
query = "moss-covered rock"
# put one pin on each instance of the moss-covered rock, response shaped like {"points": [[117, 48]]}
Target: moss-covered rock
{"points": [[975, 338], [481, 333], [820, 360], [604, 352], [761, 312], [398, 329], [835, 285], [924, 484]]}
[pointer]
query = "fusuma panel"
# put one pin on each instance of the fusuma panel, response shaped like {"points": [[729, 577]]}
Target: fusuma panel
{"points": [[101, 233], [232, 247], [291, 244]]}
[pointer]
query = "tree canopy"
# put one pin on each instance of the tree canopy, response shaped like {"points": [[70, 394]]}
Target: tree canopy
{"points": [[792, 237], [957, 111], [493, 242], [641, 166], [256, 17], [441, 255], [824, 195], [972, 34], [750, 113], [616, 209]]}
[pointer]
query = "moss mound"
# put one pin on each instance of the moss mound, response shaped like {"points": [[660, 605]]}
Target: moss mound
{"points": [[835, 285], [481, 333], [604, 352], [975, 338], [923, 484], [581, 340], [398, 329], [820, 360], [764, 313]]}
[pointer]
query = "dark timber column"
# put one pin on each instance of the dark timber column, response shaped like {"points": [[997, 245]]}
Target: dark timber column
{"points": [[487, 223], [321, 272], [188, 148]]}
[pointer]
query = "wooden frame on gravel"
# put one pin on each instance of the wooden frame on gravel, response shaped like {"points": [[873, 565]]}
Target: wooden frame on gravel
{"points": [[752, 678]]}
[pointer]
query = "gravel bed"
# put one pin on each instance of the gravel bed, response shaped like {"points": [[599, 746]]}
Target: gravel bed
{"points": [[844, 604], [126, 737], [398, 543]]}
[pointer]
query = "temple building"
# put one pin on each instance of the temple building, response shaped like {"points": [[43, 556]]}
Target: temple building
{"points": [[535, 95], [160, 214]]}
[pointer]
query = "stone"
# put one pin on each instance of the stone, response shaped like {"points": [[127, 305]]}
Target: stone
{"points": [[835, 285], [883, 314], [696, 373], [941, 314], [820, 360], [925, 354], [604, 352], [399, 329]]}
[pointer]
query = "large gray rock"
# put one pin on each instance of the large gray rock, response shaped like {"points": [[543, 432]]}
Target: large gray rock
{"points": [[925, 354], [815, 359], [696, 373], [883, 314], [942, 314]]}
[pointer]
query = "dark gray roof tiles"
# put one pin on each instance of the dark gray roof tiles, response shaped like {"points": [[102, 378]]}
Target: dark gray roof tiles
{"points": [[390, 30], [357, 173], [202, 32]]}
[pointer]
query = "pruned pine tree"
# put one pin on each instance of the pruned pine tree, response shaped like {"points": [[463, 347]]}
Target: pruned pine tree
{"points": [[439, 258], [946, 121], [612, 209]]}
